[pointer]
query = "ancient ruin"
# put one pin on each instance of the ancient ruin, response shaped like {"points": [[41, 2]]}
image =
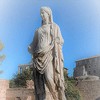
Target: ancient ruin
{"points": [[89, 66], [87, 73]]}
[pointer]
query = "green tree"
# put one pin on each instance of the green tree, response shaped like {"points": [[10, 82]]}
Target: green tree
{"points": [[1, 46], [71, 91], [2, 57], [19, 80]]}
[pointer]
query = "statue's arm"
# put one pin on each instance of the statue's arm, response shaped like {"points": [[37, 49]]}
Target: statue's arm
{"points": [[32, 46], [59, 36]]}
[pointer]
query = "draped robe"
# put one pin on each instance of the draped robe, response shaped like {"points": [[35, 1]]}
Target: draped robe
{"points": [[46, 48]]}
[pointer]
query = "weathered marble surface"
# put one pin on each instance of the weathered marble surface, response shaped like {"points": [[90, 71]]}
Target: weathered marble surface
{"points": [[46, 50]]}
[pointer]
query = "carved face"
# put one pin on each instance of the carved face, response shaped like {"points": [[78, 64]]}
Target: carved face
{"points": [[44, 15]]}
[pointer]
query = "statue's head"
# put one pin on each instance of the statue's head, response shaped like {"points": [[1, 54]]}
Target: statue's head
{"points": [[46, 13]]}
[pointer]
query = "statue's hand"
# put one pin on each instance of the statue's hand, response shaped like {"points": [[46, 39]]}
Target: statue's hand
{"points": [[30, 49]]}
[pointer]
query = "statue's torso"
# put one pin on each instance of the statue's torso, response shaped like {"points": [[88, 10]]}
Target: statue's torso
{"points": [[44, 36]]}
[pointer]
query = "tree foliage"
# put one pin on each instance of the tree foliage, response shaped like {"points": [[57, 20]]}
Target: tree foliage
{"points": [[71, 91], [1, 46], [2, 57], [19, 80]]}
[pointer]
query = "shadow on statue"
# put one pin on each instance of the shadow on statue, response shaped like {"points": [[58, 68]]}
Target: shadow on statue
{"points": [[98, 98]]}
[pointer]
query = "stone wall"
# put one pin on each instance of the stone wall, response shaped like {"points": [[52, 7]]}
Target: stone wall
{"points": [[90, 90], [4, 85], [23, 94], [7, 93], [92, 66], [20, 94]]}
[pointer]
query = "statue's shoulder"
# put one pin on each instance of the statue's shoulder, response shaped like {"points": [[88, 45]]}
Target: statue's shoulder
{"points": [[38, 30], [55, 25]]}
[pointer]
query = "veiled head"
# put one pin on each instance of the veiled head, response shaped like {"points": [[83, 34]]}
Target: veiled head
{"points": [[46, 12]]}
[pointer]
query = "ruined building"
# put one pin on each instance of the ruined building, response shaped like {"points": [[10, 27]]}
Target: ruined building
{"points": [[91, 65]]}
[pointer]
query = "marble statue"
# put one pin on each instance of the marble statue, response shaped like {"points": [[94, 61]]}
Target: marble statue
{"points": [[46, 50]]}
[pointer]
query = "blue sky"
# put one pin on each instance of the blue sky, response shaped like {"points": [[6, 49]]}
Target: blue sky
{"points": [[79, 21]]}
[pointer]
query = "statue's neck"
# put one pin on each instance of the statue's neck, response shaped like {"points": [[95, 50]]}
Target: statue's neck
{"points": [[45, 22]]}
